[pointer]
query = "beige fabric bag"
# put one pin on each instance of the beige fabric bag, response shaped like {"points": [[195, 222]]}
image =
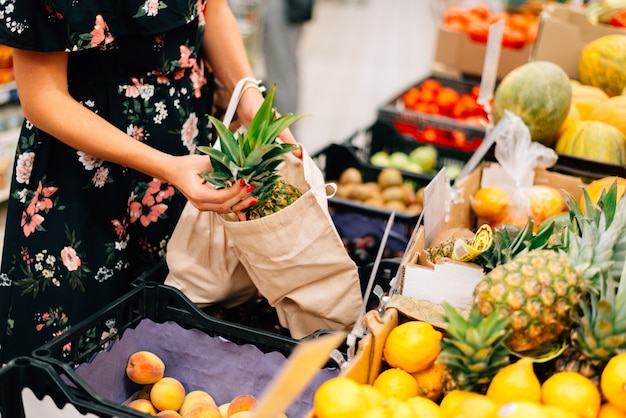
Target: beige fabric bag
{"points": [[202, 262], [296, 258]]}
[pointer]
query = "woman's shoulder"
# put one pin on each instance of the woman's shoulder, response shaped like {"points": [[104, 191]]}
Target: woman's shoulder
{"points": [[70, 25]]}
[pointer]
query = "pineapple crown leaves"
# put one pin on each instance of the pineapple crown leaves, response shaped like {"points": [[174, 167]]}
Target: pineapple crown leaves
{"points": [[601, 325], [597, 243], [256, 151], [474, 349]]}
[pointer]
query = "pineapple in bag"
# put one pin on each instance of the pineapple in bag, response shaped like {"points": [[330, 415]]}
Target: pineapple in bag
{"points": [[255, 157]]}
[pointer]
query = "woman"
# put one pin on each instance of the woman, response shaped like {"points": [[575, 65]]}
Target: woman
{"points": [[116, 101]]}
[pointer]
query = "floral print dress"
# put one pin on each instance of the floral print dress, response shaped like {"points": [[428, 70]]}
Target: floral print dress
{"points": [[80, 229]]}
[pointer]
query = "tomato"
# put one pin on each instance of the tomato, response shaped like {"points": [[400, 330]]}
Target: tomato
{"points": [[513, 38], [619, 19]]}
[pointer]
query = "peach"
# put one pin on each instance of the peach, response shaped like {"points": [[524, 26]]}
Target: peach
{"points": [[243, 414], [144, 367], [224, 409], [241, 403], [143, 405], [168, 413], [203, 409], [167, 393], [192, 397]]}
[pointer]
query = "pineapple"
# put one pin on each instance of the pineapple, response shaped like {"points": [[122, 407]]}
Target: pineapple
{"points": [[473, 351], [540, 289], [254, 156], [600, 333]]}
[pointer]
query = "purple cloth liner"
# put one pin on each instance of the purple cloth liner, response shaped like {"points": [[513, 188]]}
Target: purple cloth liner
{"points": [[199, 361]]}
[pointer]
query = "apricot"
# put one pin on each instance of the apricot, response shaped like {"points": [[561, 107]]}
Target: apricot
{"points": [[224, 409], [144, 367], [192, 397], [168, 413], [203, 409], [143, 405], [241, 403], [167, 393], [144, 393], [242, 414]]}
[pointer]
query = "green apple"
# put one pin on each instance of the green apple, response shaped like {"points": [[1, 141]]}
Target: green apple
{"points": [[398, 160], [425, 156], [380, 159], [452, 171]]}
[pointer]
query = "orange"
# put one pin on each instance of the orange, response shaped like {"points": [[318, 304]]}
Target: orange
{"points": [[396, 383], [491, 203], [430, 381], [339, 397], [515, 382], [608, 410], [412, 346], [573, 392], [613, 381]]}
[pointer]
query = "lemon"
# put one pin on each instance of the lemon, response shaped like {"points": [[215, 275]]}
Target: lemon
{"points": [[391, 408], [515, 382], [613, 381], [452, 399], [424, 407], [339, 397], [608, 410], [430, 381], [412, 346], [374, 397], [478, 406], [491, 203], [522, 409], [555, 411], [572, 391], [396, 383]]}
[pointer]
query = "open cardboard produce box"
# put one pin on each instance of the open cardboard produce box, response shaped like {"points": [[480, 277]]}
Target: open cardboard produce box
{"points": [[454, 281], [563, 31]]}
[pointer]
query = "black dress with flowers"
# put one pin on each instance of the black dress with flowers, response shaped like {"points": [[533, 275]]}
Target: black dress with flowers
{"points": [[80, 229]]}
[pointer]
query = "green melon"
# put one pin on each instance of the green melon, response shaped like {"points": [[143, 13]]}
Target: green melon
{"points": [[539, 93], [602, 64], [593, 140]]}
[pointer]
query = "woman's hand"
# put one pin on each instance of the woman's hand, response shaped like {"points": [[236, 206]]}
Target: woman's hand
{"points": [[184, 176]]}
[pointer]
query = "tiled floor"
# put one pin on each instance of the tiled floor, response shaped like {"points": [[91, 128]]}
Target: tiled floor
{"points": [[355, 55]]}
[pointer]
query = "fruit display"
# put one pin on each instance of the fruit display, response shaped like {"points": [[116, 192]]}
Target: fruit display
{"points": [[543, 336], [165, 396], [390, 190], [422, 159], [433, 97], [520, 29]]}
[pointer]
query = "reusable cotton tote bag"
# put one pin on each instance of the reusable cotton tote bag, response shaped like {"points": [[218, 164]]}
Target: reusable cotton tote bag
{"points": [[294, 257]]}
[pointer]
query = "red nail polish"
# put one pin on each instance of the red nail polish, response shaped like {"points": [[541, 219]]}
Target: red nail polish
{"points": [[241, 183], [250, 188], [254, 202]]}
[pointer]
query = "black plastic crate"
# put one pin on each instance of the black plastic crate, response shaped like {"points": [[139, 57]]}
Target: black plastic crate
{"points": [[361, 226], [52, 389], [100, 343], [451, 132], [383, 136]]}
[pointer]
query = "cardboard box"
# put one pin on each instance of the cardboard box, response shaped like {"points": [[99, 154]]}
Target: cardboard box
{"points": [[457, 55], [563, 31], [454, 281]]}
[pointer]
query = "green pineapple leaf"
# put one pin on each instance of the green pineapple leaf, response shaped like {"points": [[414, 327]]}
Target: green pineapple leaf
{"points": [[228, 141]]}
